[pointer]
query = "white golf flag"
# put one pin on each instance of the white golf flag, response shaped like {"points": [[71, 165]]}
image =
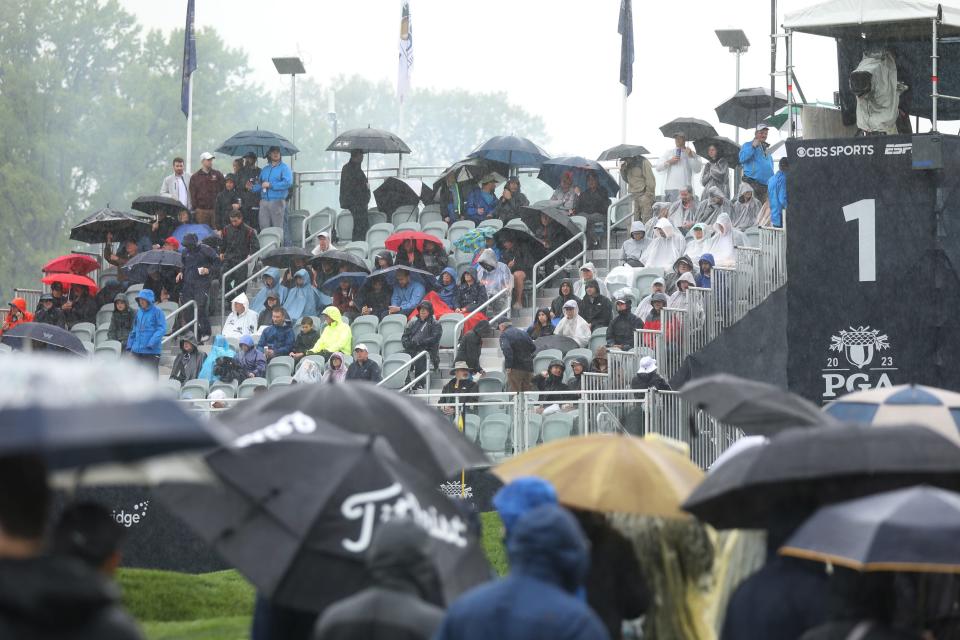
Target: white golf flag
{"points": [[406, 50]]}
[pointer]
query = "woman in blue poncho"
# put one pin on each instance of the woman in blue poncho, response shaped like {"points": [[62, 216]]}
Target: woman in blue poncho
{"points": [[220, 349], [271, 284], [301, 299]]}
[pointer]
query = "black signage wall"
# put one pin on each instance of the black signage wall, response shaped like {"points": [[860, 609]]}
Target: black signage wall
{"points": [[872, 297]]}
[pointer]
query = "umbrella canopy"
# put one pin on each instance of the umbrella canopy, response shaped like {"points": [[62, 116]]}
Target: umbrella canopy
{"points": [[141, 265], [419, 237], [394, 193], [356, 280], [610, 473], [748, 107], [72, 263], [257, 141], [692, 128], [623, 151], [283, 257], [339, 258], [756, 407], [389, 274], [563, 343], [200, 230], [153, 205], [54, 337], [67, 280], [474, 239], [552, 170], [95, 227], [511, 150], [523, 238], [934, 408], [471, 170], [531, 217], [801, 469], [369, 141], [726, 148], [912, 529]]}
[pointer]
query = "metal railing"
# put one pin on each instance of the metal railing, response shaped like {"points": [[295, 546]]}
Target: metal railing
{"points": [[405, 368], [458, 329], [611, 224], [247, 262], [668, 414], [773, 257], [31, 296], [537, 283], [307, 236], [173, 314]]}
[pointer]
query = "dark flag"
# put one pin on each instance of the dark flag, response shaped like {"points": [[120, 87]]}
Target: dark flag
{"points": [[189, 60], [625, 29]]}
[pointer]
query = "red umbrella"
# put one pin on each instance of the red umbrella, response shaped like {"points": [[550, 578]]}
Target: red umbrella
{"points": [[72, 263], [393, 242], [69, 279]]}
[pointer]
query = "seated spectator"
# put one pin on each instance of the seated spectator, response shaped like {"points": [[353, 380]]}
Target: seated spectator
{"points": [[48, 312], [471, 346], [542, 326], [600, 363], [242, 321], [706, 271], [302, 298], [550, 233], [336, 335], [435, 257], [470, 294], [643, 309], [409, 256], [647, 376], [271, 284], [219, 349], [80, 307], [462, 383], [725, 240], [406, 295], [323, 243], [277, 339], [189, 361], [362, 367], [56, 290], [447, 287], [621, 332], [587, 273], [309, 372], [495, 276], [713, 204], [578, 366], [572, 325], [121, 322], [518, 350], [511, 201], [683, 212], [265, 317], [683, 265], [565, 294], [551, 380], [657, 303], [344, 299], [482, 202], [374, 297], [593, 205], [86, 531], [634, 246], [382, 259], [520, 264], [250, 358], [697, 241], [17, 314], [658, 210], [336, 369], [305, 340], [680, 300], [595, 308], [746, 210], [565, 196], [666, 246], [423, 334]]}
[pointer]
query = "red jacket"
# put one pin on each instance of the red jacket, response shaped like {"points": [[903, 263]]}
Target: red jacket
{"points": [[25, 316], [204, 188]]}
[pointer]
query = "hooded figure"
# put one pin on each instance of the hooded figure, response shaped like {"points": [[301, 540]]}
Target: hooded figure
{"points": [[220, 349], [121, 320], [652, 319], [746, 210], [423, 334], [620, 332], [189, 361], [724, 241], [716, 173], [405, 599], [549, 558], [18, 314], [573, 327], [552, 380], [471, 346], [635, 245], [243, 323], [52, 316], [382, 259], [271, 284], [565, 293], [448, 291], [595, 307], [643, 309], [309, 372], [470, 295], [680, 298], [659, 210], [706, 264], [714, 203], [149, 327], [697, 241], [336, 372], [336, 336], [580, 285], [250, 358], [681, 266], [682, 215], [302, 298], [493, 274], [666, 246], [541, 324]]}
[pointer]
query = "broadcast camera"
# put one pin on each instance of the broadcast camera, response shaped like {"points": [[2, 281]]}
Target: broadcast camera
{"points": [[875, 84]]}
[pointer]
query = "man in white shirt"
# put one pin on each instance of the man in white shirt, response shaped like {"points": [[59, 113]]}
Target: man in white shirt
{"points": [[242, 321], [679, 164], [176, 186]]}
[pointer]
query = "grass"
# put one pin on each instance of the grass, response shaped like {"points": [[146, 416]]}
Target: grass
{"points": [[219, 605]]}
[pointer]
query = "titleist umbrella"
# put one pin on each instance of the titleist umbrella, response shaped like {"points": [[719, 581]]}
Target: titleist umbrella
{"points": [[53, 337]]}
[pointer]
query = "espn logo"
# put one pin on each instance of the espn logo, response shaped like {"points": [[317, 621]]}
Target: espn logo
{"points": [[897, 149]]}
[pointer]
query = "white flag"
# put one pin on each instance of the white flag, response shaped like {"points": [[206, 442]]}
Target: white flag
{"points": [[406, 50]]}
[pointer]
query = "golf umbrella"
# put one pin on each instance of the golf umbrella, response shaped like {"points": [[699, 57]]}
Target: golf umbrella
{"points": [[610, 473], [726, 148], [340, 258], [72, 263], [257, 141], [756, 407], [523, 239], [552, 170], [54, 338], [200, 230], [95, 227], [623, 151], [394, 241], [748, 107], [513, 151], [283, 257], [531, 217], [474, 239], [369, 141], [471, 170], [153, 205], [389, 274], [355, 279], [394, 193], [692, 129], [563, 343], [802, 469], [143, 264], [67, 280], [930, 407], [315, 501]]}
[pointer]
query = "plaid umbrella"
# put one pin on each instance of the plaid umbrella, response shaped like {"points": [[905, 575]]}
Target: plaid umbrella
{"points": [[475, 239]]}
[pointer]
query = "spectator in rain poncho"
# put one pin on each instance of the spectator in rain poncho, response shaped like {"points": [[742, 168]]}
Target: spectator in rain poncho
{"points": [[716, 172], [220, 349], [680, 300], [337, 337], [683, 265], [336, 369], [565, 196], [659, 210], [679, 163], [447, 287], [645, 306], [714, 203], [724, 240], [683, 212], [242, 321], [572, 325], [635, 245], [271, 284], [250, 358], [666, 246], [697, 241], [565, 293], [323, 243], [309, 372], [301, 299], [495, 277], [588, 272], [746, 210]]}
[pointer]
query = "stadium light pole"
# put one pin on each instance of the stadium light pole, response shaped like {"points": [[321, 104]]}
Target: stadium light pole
{"points": [[291, 67], [735, 40]]}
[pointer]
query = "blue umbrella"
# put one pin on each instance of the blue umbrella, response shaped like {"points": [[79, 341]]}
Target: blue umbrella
{"points": [[257, 141], [389, 274], [201, 231], [512, 150], [552, 170], [356, 281]]}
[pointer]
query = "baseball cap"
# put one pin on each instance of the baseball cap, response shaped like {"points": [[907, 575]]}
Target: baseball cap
{"points": [[570, 304], [173, 242], [206, 155], [360, 347]]}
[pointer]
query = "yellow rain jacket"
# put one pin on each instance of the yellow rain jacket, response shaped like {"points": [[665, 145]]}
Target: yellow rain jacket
{"points": [[336, 335]]}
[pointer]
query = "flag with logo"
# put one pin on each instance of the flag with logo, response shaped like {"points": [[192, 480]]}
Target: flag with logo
{"points": [[189, 60], [625, 29], [406, 50]]}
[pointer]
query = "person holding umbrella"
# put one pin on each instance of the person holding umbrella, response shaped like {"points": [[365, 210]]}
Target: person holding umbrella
{"points": [[355, 193], [80, 306], [565, 196], [679, 163], [637, 172], [511, 200], [249, 171], [274, 183], [757, 166]]}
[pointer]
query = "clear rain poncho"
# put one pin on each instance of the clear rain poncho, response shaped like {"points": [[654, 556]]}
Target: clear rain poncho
{"points": [[746, 210], [682, 216], [666, 247], [696, 247], [724, 241], [714, 203], [633, 249], [716, 173]]}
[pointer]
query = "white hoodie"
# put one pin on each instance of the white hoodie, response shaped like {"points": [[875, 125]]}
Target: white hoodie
{"points": [[245, 324]]}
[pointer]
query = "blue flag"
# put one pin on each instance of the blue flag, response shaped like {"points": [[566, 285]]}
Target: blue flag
{"points": [[189, 60], [625, 29]]}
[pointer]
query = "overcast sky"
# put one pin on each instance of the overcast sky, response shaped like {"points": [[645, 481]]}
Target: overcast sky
{"points": [[556, 58]]}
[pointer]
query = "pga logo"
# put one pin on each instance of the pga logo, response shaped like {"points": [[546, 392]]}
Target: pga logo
{"points": [[858, 365]]}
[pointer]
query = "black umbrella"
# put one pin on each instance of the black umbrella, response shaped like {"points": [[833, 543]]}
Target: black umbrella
{"points": [[524, 240], [801, 469], [296, 516], [369, 141], [692, 129], [283, 257], [551, 171], [389, 274], [394, 193], [54, 338], [563, 343], [511, 150], [623, 151], [726, 148], [748, 107], [356, 280], [257, 141], [154, 205], [338, 258], [141, 265], [531, 217], [756, 407], [95, 227], [471, 170]]}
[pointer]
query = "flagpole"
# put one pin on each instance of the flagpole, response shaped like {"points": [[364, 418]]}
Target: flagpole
{"points": [[400, 134], [623, 116], [190, 123]]}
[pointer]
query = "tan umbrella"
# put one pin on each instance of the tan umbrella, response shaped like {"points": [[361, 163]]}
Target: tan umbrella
{"points": [[934, 408], [611, 473]]}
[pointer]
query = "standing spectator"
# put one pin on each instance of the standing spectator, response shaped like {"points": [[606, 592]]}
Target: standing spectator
{"points": [[423, 334], [495, 277], [679, 163], [587, 273], [336, 335], [565, 293], [250, 358], [593, 205], [128, 248], [200, 265], [205, 185], [716, 173], [249, 171], [274, 184], [511, 200], [228, 200], [462, 383], [572, 325], [149, 327], [80, 307], [757, 166], [250, 203], [336, 369], [362, 367], [482, 202], [565, 196], [777, 191], [17, 314], [177, 185], [49, 313], [637, 172], [406, 295], [121, 320], [683, 212], [239, 242], [305, 340], [450, 197], [189, 361], [647, 376], [470, 294], [277, 339], [355, 194], [620, 333], [595, 308], [518, 350], [242, 321]]}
